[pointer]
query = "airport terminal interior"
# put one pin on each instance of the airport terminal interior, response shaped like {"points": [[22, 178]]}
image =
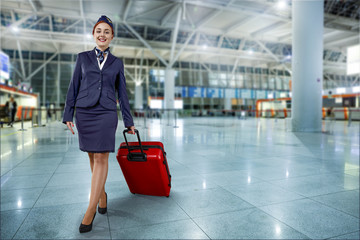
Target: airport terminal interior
{"points": [[256, 103]]}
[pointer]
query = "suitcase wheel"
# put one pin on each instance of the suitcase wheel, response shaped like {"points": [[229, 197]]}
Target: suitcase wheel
{"points": [[132, 192], [167, 196]]}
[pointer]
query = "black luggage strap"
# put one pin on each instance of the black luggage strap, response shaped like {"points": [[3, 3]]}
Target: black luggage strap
{"points": [[137, 157]]}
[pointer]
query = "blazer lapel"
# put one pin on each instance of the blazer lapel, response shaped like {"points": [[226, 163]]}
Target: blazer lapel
{"points": [[109, 60], [93, 59]]}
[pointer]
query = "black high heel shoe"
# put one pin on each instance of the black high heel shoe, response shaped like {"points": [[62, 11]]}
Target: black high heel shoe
{"points": [[86, 228], [103, 210]]}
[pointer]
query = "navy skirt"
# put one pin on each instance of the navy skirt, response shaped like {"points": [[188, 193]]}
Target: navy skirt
{"points": [[96, 127]]}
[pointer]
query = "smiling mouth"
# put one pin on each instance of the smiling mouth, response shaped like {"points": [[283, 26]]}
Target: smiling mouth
{"points": [[102, 40]]}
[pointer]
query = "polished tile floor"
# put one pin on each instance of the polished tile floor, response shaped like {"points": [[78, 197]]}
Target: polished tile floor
{"points": [[232, 179]]}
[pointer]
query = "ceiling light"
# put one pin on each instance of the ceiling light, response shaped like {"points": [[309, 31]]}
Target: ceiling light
{"points": [[204, 46], [281, 4], [88, 36], [15, 29], [340, 90], [250, 52], [288, 57], [356, 89]]}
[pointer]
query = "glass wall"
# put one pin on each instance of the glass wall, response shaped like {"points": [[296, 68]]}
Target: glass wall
{"points": [[51, 81]]}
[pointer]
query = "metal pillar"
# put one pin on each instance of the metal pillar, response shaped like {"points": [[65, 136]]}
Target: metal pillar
{"points": [[138, 97], [307, 65], [169, 98], [58, 83], [44, 84]]}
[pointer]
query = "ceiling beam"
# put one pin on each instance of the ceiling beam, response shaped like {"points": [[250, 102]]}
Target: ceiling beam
{"points": [[234, 68], [268, 28], [273, 55], [141, 66], [243, 9], [356, 81], [150, 11], [199, 25], [146, 44], [175, 34], [285, 37], [37, 22], [161, 35], [21, 59], [126, 9], [326, 75], [71, 25], [81, 8], [33, 5], [129, 74], [169, 14], [41, 66], [17, 23], [343, 40]]}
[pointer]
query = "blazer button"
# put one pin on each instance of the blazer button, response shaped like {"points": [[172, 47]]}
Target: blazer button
{"points": [[99, 88]]}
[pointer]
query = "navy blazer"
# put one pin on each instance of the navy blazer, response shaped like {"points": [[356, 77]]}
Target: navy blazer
{"points": [[90, 85]]}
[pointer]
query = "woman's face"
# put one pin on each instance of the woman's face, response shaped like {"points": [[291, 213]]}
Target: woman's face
{"points": [[103, 35]]}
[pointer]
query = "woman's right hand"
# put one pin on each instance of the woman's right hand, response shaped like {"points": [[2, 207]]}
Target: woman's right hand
{"points": [[70, 125]]}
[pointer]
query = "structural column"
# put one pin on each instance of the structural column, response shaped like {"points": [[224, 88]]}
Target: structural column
{"points": [[169, 90], [227, 104], [138, 96], [58, 83], [307, 65]]}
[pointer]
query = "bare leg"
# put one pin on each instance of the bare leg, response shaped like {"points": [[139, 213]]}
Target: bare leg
{"points": [[102, 201], [98, 179], [91, 158]]}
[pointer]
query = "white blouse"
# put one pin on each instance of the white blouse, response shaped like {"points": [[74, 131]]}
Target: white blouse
{"points": [[102, 64]]}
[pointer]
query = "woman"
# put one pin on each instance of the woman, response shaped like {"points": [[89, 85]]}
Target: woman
{"points": [[11, 108], [97, 76]]}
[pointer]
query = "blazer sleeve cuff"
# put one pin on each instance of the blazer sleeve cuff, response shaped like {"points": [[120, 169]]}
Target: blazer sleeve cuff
{"points": [[68, 115]]}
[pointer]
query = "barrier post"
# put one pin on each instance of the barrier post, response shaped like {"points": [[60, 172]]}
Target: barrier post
{"points": [[175, 113], [349, 120], [58, 112], [168, 116], [32, 119], [22, 120], [145, 113], [39, 117], [161, 116]]}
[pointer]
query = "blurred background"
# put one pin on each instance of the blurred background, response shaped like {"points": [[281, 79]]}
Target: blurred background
{"points": [[226, 54]]}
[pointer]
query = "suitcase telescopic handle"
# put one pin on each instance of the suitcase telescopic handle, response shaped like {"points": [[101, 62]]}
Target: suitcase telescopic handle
{"points": [[135, 157]]}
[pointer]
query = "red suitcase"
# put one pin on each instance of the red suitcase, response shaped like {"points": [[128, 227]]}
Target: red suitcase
{"points": [[145, 167]]}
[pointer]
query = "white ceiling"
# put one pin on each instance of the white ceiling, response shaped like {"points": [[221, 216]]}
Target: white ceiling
{"points": [[228, 28]]}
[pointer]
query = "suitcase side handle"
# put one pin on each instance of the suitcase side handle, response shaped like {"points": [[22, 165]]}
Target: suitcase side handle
{"points": [[135, 156]]}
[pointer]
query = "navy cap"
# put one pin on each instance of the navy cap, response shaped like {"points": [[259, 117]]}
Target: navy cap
{"points": [[105, 19]]}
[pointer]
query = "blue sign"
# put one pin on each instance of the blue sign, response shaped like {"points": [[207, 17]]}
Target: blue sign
{"points": [[196, 92], [184, 92], [220, 93], [210, 93], [4, 65], [237, 93]]}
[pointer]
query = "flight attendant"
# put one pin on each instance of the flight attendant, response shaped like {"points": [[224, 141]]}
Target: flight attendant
{"points": [[97, 81]]}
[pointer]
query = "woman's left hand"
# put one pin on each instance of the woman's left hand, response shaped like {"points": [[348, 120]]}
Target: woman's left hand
{"points": [[131, 130]]}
